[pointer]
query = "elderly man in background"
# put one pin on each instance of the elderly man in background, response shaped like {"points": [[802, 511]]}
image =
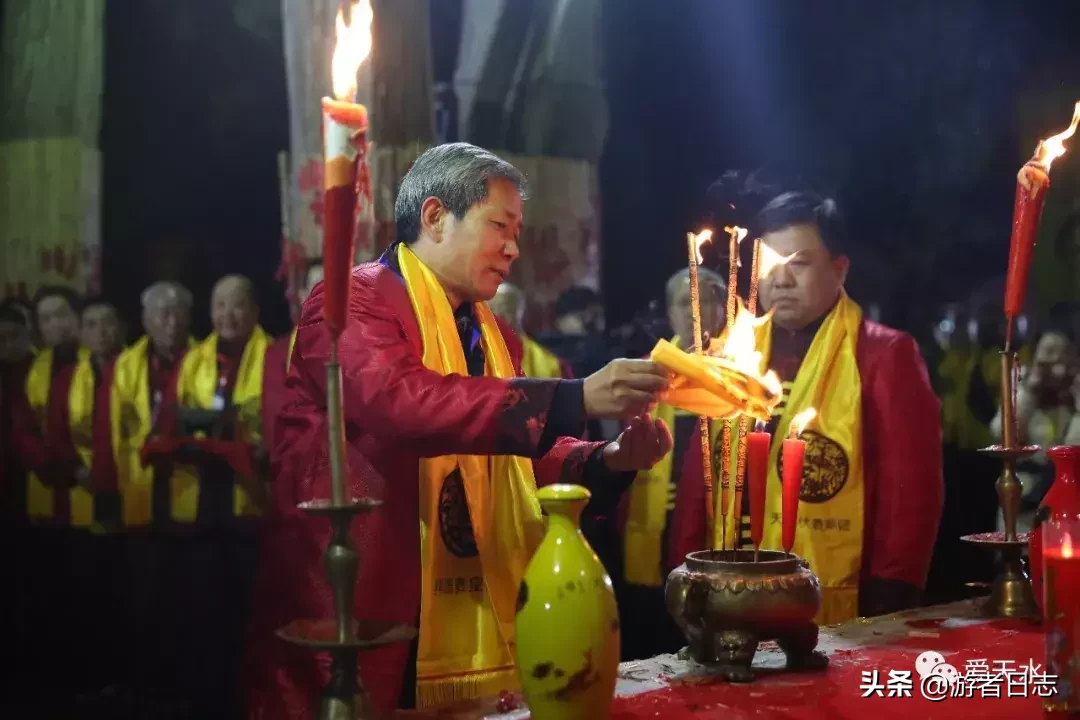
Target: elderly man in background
{"points": [[538, 362]]}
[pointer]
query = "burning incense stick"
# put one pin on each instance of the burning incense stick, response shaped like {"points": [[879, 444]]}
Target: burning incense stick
{"points": [[693, 249], [735, 236]]}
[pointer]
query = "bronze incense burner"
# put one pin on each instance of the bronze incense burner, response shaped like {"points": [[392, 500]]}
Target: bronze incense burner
{"points": [[725, 603]]}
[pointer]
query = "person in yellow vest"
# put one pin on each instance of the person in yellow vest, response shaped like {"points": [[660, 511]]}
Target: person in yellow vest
{"points": [[54, 431], [653, 544], [215, 499], [509, 304], [872, 489]]}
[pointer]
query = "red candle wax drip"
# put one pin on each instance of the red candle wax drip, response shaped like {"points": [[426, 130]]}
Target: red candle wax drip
{"points": [[757, 462], [794, 450], [338, 250], [1027, 210]]}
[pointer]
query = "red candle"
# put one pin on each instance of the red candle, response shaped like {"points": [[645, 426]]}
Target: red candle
{"points": [[1027, 209], [1031, 185], [757, 462], [345, 125], [1061, 602], [794, 451], [792, 454]]}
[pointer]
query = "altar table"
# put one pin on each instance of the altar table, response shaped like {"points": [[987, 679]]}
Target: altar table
{"points": [[869, 660]]}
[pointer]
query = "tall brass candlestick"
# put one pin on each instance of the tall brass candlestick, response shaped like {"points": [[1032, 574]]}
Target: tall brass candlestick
{"points": [[693, 248]]}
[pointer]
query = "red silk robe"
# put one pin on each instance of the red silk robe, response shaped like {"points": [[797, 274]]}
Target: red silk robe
{"points": [[396, 411], [905, 489]]}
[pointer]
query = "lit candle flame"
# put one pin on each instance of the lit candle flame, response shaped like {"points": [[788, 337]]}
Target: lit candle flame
{"points": [[800, 421], [1053, 147], [351, 47], [1066, 547], [699, 242]]}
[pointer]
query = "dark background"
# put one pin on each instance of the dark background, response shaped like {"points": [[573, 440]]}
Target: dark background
{"points": [[907, 112]]}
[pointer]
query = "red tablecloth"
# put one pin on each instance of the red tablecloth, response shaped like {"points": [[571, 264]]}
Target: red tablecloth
{"points": [[836, 693], [672, 689]]}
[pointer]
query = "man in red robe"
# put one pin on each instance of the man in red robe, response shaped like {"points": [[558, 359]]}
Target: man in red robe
{"points": [[458, 217], [899, 425]]}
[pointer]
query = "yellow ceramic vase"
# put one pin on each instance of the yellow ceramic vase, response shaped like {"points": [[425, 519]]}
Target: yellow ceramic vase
{"points": [[567, 624]]}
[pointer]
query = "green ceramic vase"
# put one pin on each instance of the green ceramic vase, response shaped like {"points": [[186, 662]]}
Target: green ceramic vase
{"points": [[567, 623]]}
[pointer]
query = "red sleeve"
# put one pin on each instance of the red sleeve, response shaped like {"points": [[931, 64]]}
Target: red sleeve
{"points": [[902, 446], [103, 473], [390, 394]]}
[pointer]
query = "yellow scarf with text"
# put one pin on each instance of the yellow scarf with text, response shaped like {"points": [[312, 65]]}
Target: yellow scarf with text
{"points": [[539, 362], [39, 497], [829, 534], [196, 385], [652, 497], [131, 420], [480, 522]]}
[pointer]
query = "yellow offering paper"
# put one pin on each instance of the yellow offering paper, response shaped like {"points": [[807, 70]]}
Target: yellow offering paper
{"points": [[713, 386]]}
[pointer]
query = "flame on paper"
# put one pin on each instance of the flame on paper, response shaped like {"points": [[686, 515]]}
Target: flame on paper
{"points": [[800, 421], [1066, 546], [1053, 147], [699, 242], [740, 349], [351, 47]]}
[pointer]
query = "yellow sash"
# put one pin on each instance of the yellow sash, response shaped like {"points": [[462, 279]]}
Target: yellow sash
{"points": [[39, 497], [196, 385], [652, 496], [830, 530], [131, 423], [470, 575], [539, 362]]}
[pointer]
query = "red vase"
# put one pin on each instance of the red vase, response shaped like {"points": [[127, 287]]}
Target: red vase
{"points": [[1062, 500]]}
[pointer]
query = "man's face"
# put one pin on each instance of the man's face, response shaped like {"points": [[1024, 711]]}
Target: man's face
{"points": [[805, 284], [680, 316], [232, 310], [57, 321], [100, 331], [168, 324], [481, 246], [1055, 357], [14, 341]]}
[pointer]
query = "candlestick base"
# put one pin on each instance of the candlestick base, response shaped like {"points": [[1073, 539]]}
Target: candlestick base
{"points": [[1011, 595], [342, 636]]}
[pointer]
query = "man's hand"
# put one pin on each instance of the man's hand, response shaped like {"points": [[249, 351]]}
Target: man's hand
{"points": [[640, 446], [623, 388]]}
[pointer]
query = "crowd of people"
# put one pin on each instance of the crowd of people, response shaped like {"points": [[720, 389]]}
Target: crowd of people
{"points": [[149, 485]]}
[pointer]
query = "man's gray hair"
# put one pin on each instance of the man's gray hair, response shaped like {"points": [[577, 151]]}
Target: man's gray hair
{"points": [[162, 293], [706, 277], [457, 175]]}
